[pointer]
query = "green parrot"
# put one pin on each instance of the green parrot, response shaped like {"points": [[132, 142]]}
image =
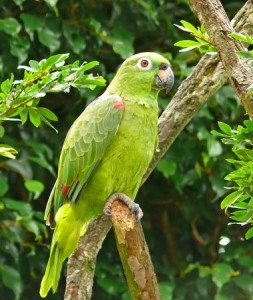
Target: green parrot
{"points": [[106, 151]]}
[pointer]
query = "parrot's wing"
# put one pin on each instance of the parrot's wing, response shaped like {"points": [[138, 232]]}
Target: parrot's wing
{"points": [[84, 147]]}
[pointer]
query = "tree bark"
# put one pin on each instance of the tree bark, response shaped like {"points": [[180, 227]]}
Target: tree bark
{"points": [[134, 253], [207, 77], [82, 263], [214, 18]]}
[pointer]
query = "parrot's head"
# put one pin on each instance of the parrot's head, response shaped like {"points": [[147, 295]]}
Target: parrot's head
{"points": [[145, 72]]}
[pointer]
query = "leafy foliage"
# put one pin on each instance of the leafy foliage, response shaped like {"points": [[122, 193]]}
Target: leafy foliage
{"points": [[21, 97], [240, 200], [202, 41], [241, 141]]}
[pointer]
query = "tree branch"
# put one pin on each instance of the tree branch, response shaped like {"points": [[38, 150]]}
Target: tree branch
{"points": [[207, 77], [134, 253], [82, 263], [213, 16]]}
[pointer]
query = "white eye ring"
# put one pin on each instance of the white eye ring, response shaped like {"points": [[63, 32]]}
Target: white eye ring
{"points": [[144, 64]]}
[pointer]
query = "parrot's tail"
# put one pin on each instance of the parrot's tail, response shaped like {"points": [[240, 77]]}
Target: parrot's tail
{"points": [[67, 232], [53, 272]]}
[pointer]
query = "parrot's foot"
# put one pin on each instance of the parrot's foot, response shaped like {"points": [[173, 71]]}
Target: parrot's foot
{"points": [[133, 207]]}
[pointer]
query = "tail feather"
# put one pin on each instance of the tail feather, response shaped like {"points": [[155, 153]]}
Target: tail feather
{"points": [[65, 239], [53, 272]]}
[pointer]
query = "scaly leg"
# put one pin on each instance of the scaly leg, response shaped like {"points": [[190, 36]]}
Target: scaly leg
{"points": [[133, 207]]}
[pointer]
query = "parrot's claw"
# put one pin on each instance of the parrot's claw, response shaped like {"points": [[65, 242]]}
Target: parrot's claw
{"points": [[133, 207]]}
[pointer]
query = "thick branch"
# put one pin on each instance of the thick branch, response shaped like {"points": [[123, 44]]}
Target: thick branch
{"points": [[213, 16], [134, 254], [82, 263], [207, 77]]}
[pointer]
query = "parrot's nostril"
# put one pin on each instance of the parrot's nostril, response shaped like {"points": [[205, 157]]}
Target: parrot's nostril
{"points": [[163, 67]]}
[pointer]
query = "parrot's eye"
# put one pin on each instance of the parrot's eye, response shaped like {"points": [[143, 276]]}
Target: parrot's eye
{"points": [[144, 64]]}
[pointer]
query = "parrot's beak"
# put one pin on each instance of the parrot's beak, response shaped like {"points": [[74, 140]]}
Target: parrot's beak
{"points": [[164, 79]]}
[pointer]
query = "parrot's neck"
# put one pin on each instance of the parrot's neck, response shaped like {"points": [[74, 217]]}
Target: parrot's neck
{"points": [[135, 93]]}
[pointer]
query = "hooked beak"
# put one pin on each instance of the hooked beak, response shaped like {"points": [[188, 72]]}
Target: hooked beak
{"points": [[164, 79]]}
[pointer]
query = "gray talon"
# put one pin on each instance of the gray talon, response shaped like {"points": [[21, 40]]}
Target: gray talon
{"points": [[107, 211], [133, 207]]}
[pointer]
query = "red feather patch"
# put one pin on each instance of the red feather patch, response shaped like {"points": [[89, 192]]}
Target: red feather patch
{"points": [[119, 104], [64, 190]]}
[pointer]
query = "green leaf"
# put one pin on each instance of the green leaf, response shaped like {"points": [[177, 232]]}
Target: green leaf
{"points": [[248, 124], [126, 296], [6, 85], [220, 297], [187, 44], [49, 38], [55, 59], [74, 38], [243, 216], [19, 48], [24, 115], [19, 2], [166, 290], [4, 187], [238, 36], [249, 234], [43, 163], [7, 151], [182, 28], [225, 128], [233, 197], [245, 281], [217, 185], [10, 26], [34, 64], [87, 66], [31, 226], [34, 117], [12, 279], [214, 147], [241, 37], [107, 282], [1, 131], [221, 274], [96, 25], [167, 167], [47, 113], [35, 186], [244, 154], [121, 40], [248, 55], [22, 208], [52, 3], [188, 26], [204, 271], [48, 123], [32, 22]]}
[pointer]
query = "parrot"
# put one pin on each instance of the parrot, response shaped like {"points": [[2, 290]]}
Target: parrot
{"points": [[107, 150]]}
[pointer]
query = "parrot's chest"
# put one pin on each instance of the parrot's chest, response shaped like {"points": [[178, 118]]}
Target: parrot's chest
{"points": [[131, 151]]}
